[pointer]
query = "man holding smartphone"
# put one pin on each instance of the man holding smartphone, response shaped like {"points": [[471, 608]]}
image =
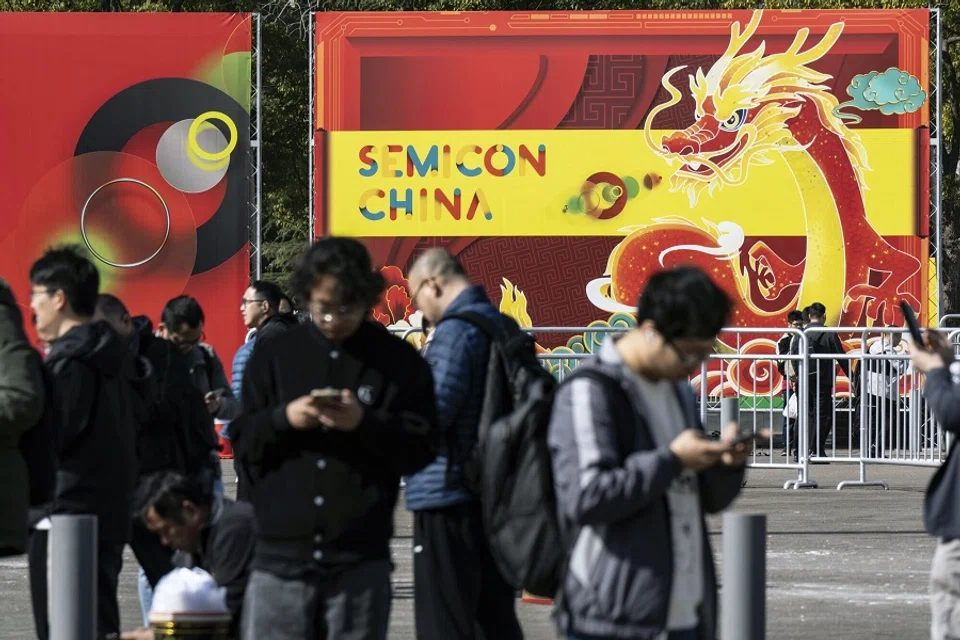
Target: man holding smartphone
{"points": [[335, 411], [940, 513], [634, 472]]}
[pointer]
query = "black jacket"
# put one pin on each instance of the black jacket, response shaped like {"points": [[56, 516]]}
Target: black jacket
{"points": [[21, 412], [276, 325], [227, 544], [822, 342], [100, 393], [164, 444], [941, 507], [326, 498]]}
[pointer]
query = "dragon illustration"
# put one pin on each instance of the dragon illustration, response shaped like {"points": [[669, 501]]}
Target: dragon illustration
{"points": [[755, 109]]}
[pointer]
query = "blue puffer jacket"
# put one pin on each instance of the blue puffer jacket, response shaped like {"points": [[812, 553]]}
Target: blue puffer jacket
{"points": [[458, 356], [239, 366], [240, 362]]}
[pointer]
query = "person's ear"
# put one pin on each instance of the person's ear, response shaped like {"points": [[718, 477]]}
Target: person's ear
{"points": [[59, 299]]}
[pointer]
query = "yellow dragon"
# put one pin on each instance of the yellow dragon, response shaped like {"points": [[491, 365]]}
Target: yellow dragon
{"points": [[754, 109]]}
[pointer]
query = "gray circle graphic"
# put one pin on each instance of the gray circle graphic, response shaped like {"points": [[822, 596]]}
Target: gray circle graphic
{"points": [[185, 171]]}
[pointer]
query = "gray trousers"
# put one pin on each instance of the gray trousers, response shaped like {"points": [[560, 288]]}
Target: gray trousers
{"points": [[945, 591], [354, 605]]}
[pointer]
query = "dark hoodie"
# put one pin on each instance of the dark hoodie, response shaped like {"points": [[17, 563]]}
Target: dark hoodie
{"points": [[100, 394], [178, 434], [276, 325]]}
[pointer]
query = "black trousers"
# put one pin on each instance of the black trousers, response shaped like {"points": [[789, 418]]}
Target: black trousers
{"points": [[155, 559], [459, 594], [109, 564], [789, 424], [819, 410]]}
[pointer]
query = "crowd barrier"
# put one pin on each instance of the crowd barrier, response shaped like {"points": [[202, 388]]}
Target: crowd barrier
{"points": [[865, 408]]}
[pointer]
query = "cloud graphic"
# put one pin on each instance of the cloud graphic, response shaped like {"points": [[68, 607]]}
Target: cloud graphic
{"points": [[893, 92]]}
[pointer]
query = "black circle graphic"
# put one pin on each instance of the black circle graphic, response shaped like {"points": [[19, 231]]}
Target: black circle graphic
{"points": [[171, 100]]}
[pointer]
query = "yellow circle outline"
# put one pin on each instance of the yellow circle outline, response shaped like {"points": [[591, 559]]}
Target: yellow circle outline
{"points": [[194, 147]]}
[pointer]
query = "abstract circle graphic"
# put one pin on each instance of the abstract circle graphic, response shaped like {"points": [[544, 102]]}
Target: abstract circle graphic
{"points": [[197, 150], [166, 100], [89, 245], [184, 170]]}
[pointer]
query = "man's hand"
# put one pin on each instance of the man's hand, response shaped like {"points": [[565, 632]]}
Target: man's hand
{"points": [[343, 414], [303, 413], [929, 358], [737, 454], [138, 634], [213, 402], [696, 451]]}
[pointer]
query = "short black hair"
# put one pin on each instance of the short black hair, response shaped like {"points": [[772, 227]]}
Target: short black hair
{"points": [[68, 269], [795, 316], [289, 300], [165, 492], [269, 291], [806, 314], [684, 303], [111, 306], [819, 308], [182, 309], [346, 260]]}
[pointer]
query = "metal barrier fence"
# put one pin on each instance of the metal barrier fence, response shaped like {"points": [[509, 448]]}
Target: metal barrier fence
{"points": [[874, 414]]}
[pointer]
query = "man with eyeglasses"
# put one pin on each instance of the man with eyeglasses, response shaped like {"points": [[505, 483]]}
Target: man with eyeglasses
{"points": [[100, 392], [262, 315], [335, 411], [634, 472], [182, 323]]}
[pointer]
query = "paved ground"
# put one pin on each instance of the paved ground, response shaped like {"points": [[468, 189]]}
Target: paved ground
{"points": [[845, 564]]}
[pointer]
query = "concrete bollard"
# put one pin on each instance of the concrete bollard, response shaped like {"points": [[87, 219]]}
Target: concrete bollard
{"points": [[743, 606], [72, 578]]}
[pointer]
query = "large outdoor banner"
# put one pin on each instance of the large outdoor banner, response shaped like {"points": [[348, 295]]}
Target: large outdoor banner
{"points": [[128, 134], [567, 156]]}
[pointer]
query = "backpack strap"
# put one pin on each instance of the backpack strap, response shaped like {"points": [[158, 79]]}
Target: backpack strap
{"points": [[493, 333], [208, 364], [620, 404], [622, 410]]}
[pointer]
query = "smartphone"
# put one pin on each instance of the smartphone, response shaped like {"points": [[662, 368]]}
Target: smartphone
{"points": [[328, 393], [912, 324]]}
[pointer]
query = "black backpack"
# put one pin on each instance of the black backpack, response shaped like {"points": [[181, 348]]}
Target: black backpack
{"points": [[181, 433], [509, 467]]}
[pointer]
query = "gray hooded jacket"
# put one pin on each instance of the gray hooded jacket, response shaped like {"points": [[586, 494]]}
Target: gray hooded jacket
{"points": [[611, 482]]}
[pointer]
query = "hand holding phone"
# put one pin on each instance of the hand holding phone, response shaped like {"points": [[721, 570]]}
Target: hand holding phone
{"points": [[327, 394]]}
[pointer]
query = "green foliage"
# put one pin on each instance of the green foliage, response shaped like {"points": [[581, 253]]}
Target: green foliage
{"points": [[285, 99]]}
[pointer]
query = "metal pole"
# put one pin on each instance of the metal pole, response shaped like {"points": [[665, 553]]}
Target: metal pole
{"points": [[259, 151], [311, 150], [72, 577], [938, 177], [743, 607]]}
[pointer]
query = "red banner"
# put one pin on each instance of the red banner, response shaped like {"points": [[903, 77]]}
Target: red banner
{"points": [[778, 150], [129, 134]]}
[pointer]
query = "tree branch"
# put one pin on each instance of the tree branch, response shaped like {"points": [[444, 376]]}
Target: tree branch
{"points": [[951, 150]]}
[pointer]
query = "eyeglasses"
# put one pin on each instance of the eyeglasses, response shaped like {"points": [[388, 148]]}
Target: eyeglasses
{"points": [[690, 358], [327, 313], [416, 292], [39, 292], [244, 302]]}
